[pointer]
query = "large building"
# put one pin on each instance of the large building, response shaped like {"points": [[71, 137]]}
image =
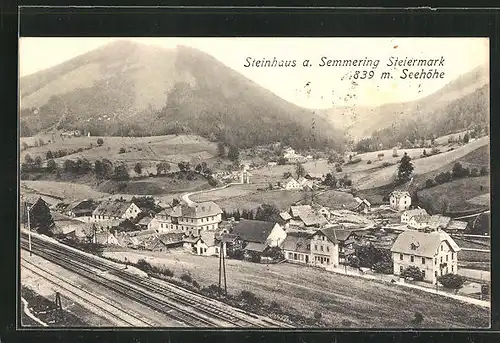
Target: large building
{"points": [[114, 210], [192, 219], [434, 253]]}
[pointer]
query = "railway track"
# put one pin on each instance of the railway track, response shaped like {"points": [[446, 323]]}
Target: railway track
{"points": [[211, 312], [118, 315]]}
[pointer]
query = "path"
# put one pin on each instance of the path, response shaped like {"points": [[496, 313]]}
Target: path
{"points": [[185, 196]]}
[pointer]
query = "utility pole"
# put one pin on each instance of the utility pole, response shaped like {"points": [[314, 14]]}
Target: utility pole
{"points": [[59, 310], [224, 267], [220, 269], [29, 227]]}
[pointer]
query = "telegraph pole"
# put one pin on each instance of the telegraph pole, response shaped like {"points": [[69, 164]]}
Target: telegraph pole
{"points": [[224, 267], [220, 270], [29, 227]]}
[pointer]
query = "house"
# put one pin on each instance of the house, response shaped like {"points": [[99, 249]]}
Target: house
{"points": [[456, 226], [297, 247], [256, 231], [419, 221], [324, 211], [305, 215], [363, 205], [303, 182], [399, 200], [325, 248], [161, 242], [189, 218], [434, 253], [244, 176], [144, 222], [115, 209], [407, 215], [438, 221], [291, 184], [104, 238], [346, 240], [272, 164], [207, 244], [81, 208]]}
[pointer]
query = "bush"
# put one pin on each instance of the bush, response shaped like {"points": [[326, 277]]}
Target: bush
{"points": [[452, 281], [474, 172], [196, 284], [164, 270], [429, 183], [275, 307], [413, 273], [346, 322], [369, 162], [144, 266], [386, 164], [100, 141], [187, 278], [122, 150], [418, 319], [317, 315], [249, 297], [211, 291], [483, 171], [383, 267], [338, 169]]}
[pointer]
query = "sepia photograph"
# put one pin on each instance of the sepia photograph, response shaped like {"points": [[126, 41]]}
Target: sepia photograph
{"points": [[256, 183]]}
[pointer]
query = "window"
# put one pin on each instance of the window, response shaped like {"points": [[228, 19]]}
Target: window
{"points": [[315, 247], [400, 269], [411, 258], [423, 273], [446, 270], [401, 257], [452, 255], [321, 248], [423, 260], [452, 268], [446, 257], [441, 248], [435, 273], [308, 246], [294, 256], [441, 259], [435, 261], [290, 255], [327, 260], [328, 248]]}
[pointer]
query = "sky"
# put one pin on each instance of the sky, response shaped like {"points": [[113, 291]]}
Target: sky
{"points": [[312, 86]]}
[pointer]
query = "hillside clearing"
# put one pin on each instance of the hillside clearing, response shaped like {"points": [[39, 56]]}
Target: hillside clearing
{"points": [[452, 196], [421, 166]]}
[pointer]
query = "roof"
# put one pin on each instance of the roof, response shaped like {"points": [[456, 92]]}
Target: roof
{"points": [[81, 206], [438, 220], [228, 237], [315, 175], [112, 208], [307, 215], [257, 247], [415, 212], [253, 230], [145, 221], [330, 233], [426, 244], [297, 241], [421, 218], [457, 225], [399, 194], [290, 179], [285, 216], [343, 234], [208, 237], [195, 210]]}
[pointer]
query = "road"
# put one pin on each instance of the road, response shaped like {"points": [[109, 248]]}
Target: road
{"points": [[185, 196], [182, 305]]}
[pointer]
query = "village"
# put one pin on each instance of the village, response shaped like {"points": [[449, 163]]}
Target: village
{"points": [[394, 241]]}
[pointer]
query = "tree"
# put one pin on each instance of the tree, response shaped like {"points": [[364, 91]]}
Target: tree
{"points": [[234, 153], [380, 156], [25, 145], [28, 160], [40, 218], [138, 168], [330, 180], [51, 165], [107, 168], [474, 172], [429, 183], [221, 150], [424, 153], [412, 272], [418, 319], [281, 161], [267, 212], [49, 155], [100, 141], [38, 162], [405, 169], [69, 166], [466, 138], [120, 173], [162, 167], [365, 145], [83, 166], [287, 175], [483, 171], [458, 171], [184, 166], [299, 170], [122, 150], [451, 281]]}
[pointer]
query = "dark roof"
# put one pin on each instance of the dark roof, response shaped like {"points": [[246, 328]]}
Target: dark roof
{"points": [[297, 241], [112, 208], [342, 234], [253, 230], [329, 232], [81, 206], [257, 247], [145, 221]]}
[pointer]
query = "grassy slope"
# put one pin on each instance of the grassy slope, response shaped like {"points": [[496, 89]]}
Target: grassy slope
{"points": [[366, 304], [422, 165], [454, 193]]}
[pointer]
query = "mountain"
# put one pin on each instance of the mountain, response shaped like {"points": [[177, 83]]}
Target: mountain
{"points": [[457, 106], [127, 88]]}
